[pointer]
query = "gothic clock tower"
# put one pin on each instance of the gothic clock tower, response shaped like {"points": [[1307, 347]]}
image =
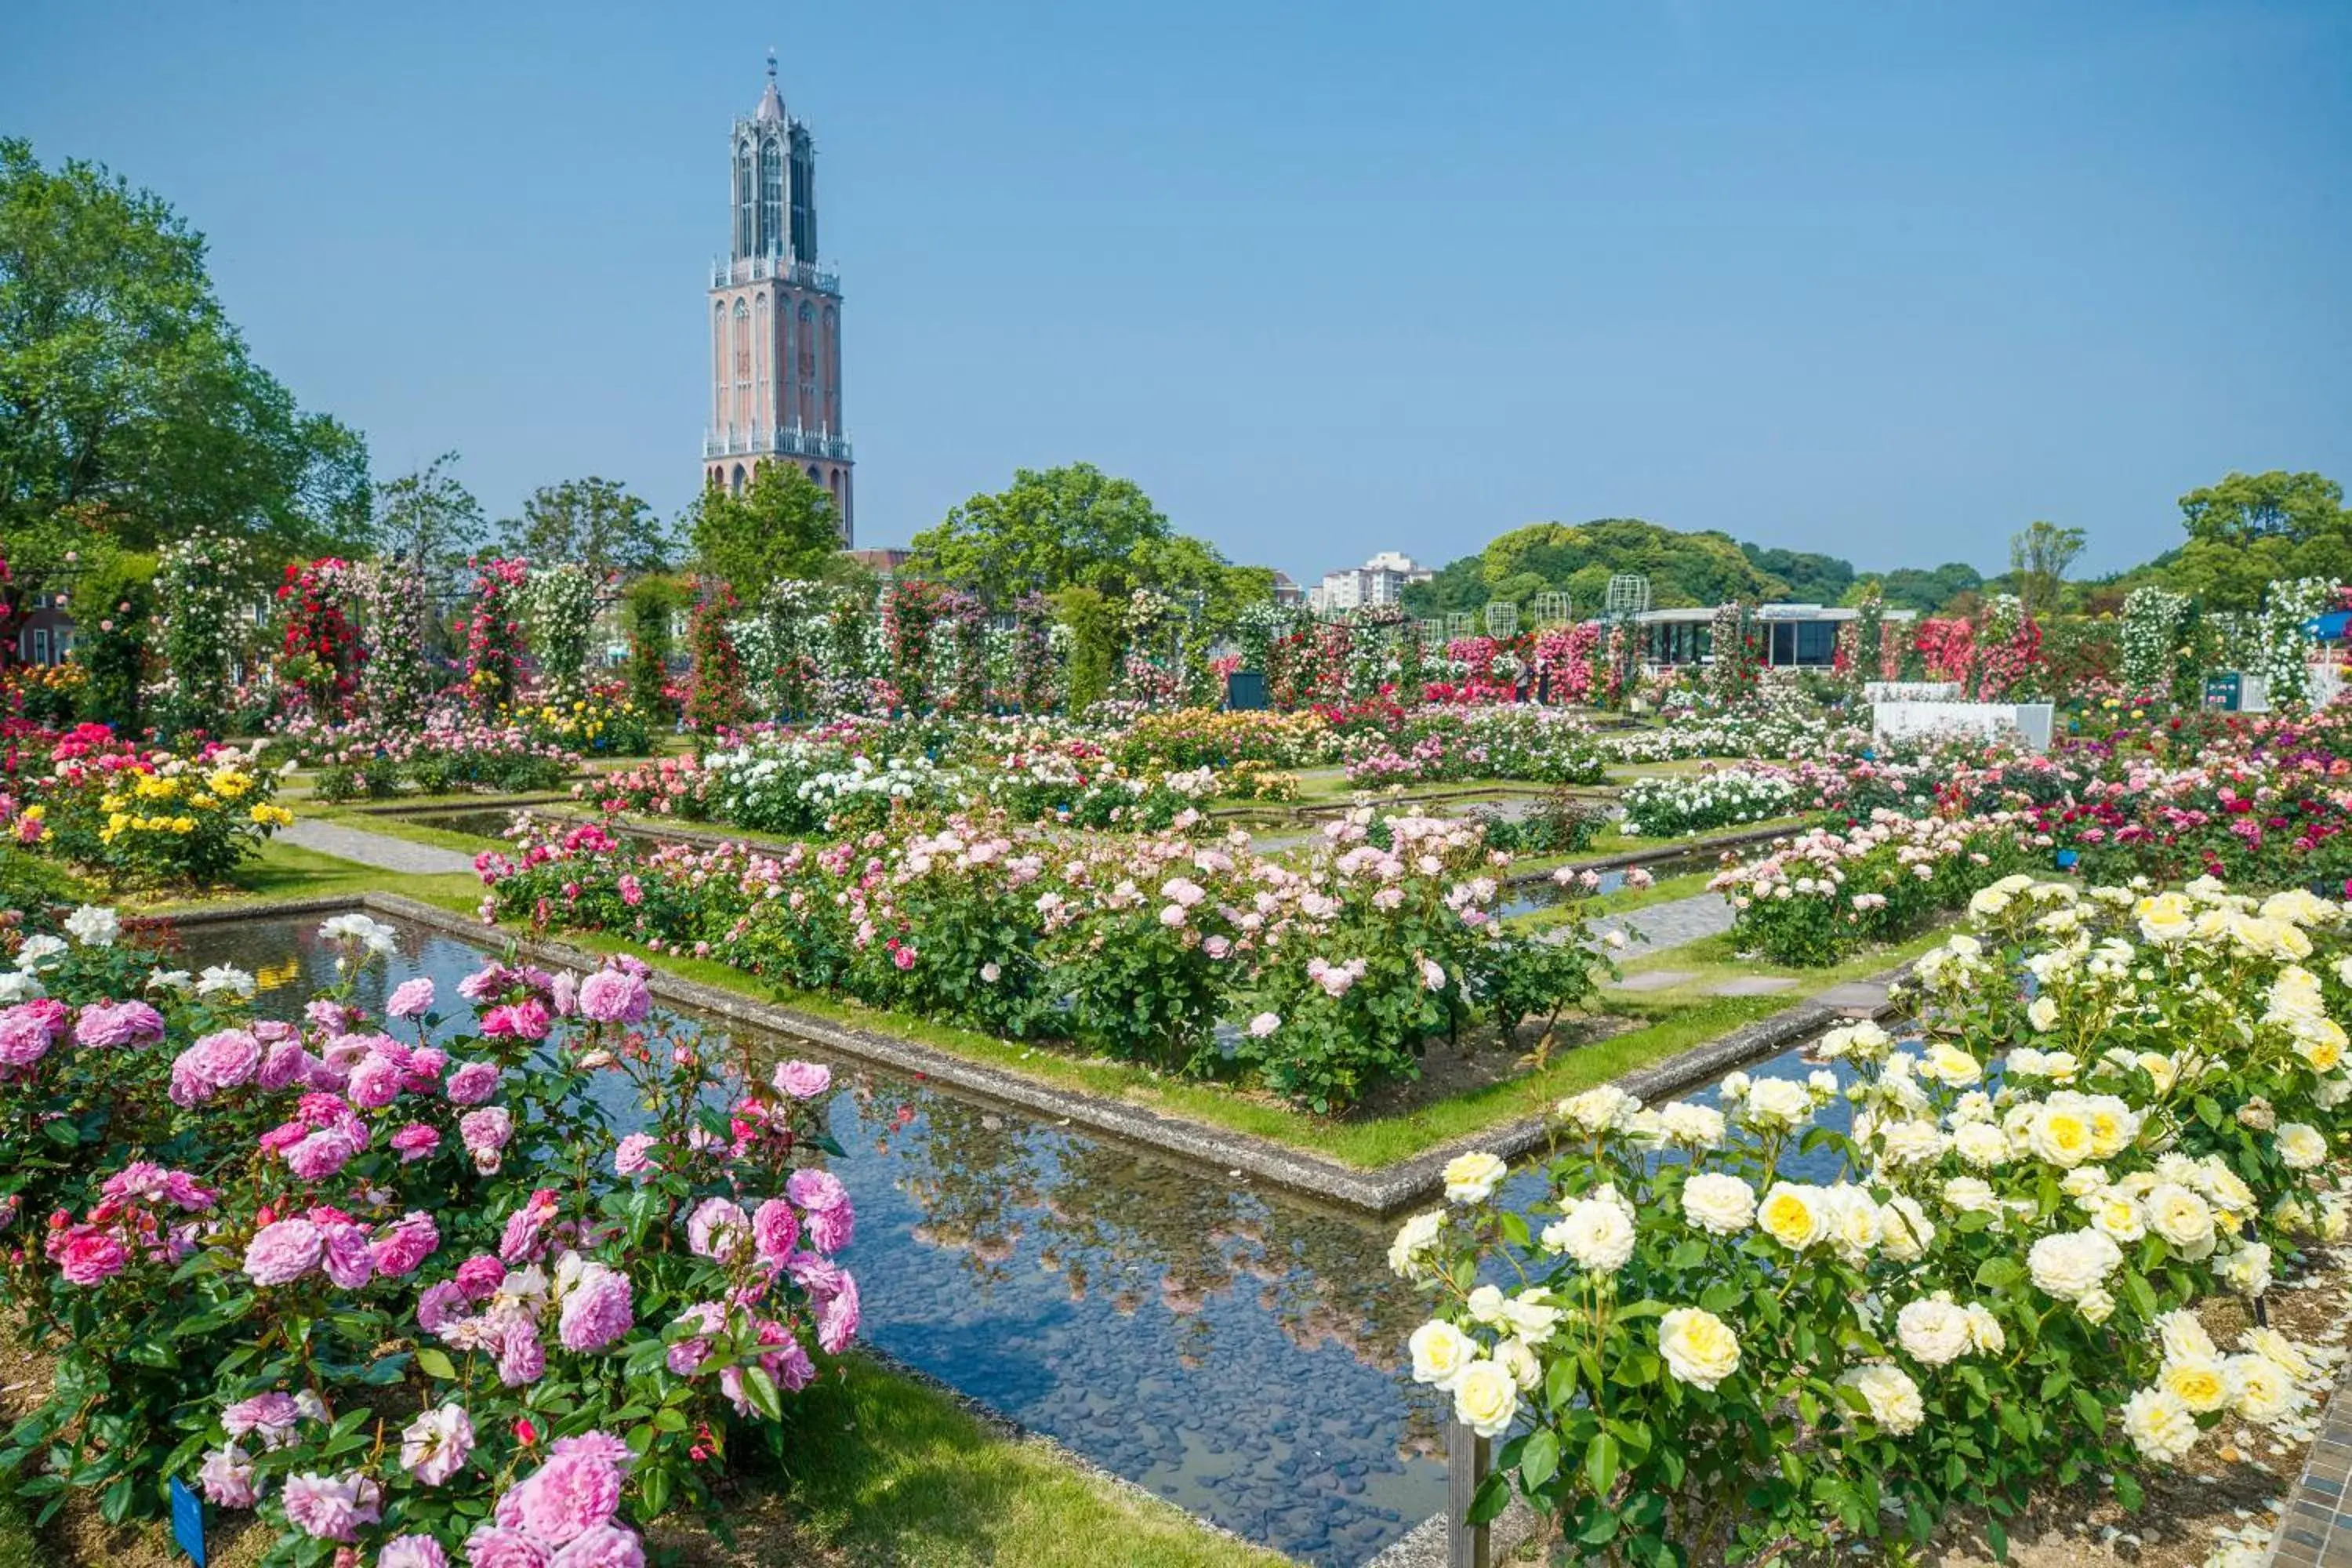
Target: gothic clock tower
{"points": [[775, 319]]}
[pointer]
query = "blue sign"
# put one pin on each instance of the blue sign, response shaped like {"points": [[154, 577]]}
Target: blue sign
{"points": [[188, 1521]]}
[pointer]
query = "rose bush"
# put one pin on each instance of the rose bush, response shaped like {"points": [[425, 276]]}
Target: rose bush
{"points": [[403, 1283], [1748, 1330]]}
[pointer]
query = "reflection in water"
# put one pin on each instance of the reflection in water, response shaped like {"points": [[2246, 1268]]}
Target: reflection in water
{"points": [[1239, 1354]]}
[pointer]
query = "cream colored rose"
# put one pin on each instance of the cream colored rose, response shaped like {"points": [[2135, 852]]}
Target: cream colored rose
{"points": [[1985, 1333], [1904, 1231], [1600, 1110], [1890, 1396], [2071, 1263], [2302, 1147], [2060, 1135], [2159, 1425], [2284, 1353], [1516, 1357], [2167, 917], [1717, 1204], [2262, 1390], [2320, 1042], [1971, 1195], [2198, 1381], [2042, 1014], [1472, 1178], [1933, 1331], [2181, 1216], [1778, 1104], [1699, 1347], [1792, 1215], [1693, 1126], [1414, 1239], [1597, 1234], [1440, 1351], [2116, 1214], [1485, 1399], [1980, 1144], [2247, 1270]]}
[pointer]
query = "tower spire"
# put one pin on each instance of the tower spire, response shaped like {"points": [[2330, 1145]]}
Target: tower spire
{"points": [[772, 102]]}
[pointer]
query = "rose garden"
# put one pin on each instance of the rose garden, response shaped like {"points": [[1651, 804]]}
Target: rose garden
{"points": [[530, 1076]]}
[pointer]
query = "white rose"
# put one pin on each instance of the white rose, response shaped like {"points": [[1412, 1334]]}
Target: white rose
{"points": [[1518, 1358], [1699, 1347], [1904, 1231], [1971, 1195], [1778, 1103], [2159, 1425], [2184, 1338], [2247, 1270], [2198, 1381], [1693, 1126], [1980, 1144], [1597, 1234], [1985, 1333], [1933, 1331], [1485, 1399], [1600, 1110], [1892, 1397], [2262, 1390], [1440, 1351], [2302, 1147], [2180, 1217], [1717, 1204], [2071, 1263], [2042, 1014], [1413, 1238], [1472, 1178]]}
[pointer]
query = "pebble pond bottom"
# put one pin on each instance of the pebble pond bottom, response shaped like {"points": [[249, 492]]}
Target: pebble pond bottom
{"points": [[1239, 1355]]}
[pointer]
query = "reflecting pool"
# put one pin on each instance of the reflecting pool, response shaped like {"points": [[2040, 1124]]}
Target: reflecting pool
{"points": [[1237, 1353]]}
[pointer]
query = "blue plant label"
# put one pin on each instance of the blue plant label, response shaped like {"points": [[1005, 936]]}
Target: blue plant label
{"points": [[188, 1521]]}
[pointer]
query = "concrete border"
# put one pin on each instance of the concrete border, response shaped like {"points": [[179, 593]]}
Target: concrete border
{"points": [[1371, 1195]]}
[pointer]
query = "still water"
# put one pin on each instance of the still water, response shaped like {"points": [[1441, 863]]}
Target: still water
{"points": [[1238, 1353]]}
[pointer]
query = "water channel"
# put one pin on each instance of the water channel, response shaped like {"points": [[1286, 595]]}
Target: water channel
{"points": [[1236, 1352]]}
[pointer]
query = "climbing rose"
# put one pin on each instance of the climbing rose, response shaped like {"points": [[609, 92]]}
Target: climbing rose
{"points": [[281, 1253]]}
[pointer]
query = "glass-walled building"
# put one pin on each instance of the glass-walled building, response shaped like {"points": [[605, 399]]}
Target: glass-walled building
{"points": [[1793, 637]]}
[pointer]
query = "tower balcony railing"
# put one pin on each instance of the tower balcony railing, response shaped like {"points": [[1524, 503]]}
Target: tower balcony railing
{"points": [[784, 441], [760, 268]]}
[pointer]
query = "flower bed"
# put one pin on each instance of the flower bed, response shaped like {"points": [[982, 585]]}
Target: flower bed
{"points": [[1670, 807], [1134, 946], [1722, 1353], [133, 816], [402, 1283], [450, 752]]}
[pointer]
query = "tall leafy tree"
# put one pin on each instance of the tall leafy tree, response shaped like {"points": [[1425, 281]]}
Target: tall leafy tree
{"points": [[593, 521], [1052, 528], [2252, 530], [429, 518], [1812, 578], [129, 407], [783, 526], [2040, 556]]}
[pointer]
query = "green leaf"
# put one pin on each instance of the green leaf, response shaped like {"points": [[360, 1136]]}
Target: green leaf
{"points": [[1493, 1494], [1601, 1459], [1559, 1383], [1539, 1460], [435, 1363], [759, 1389]]}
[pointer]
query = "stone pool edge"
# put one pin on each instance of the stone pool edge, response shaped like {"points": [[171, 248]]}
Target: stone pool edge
{"points": [[1375, 1193]]}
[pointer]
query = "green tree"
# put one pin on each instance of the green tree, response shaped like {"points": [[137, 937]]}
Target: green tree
{"points": [[1812, 578], [1061, 528], [781, 526], [129, 407], [430, 519], [1093, 623], [1911, 588], [2252, 530], [2040, 556], [593, 521], [652, 602]]}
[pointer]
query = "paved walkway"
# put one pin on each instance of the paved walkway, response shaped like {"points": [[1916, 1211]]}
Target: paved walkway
{"points": [[2316, 1531], [1656, 927], [380, 850]]}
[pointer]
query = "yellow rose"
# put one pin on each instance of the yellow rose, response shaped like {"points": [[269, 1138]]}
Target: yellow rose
{"points": [[1698, 1347], [2197, 1382], [1790, 1215]]}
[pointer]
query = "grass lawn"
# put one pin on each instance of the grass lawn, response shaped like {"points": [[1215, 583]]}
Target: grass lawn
{"points": [[1664, 890]]}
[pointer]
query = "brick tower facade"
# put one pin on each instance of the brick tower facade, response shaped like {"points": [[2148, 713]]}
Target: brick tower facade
{"points": [[775, 319]]}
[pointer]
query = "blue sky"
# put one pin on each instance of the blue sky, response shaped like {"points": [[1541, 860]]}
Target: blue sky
{"points": [[1887, 281]]}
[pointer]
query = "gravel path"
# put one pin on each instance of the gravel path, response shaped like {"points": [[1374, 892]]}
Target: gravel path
{"points": [[377, 849]]}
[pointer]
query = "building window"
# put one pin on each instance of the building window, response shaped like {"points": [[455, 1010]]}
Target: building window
{"points": [[772, 200], [40, 645], [1811, 644]]}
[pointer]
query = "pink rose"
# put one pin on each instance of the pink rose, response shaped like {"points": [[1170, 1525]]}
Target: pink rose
{"points": [[85, 1255], [412, 1552], [716, 1229], [400, 1247], [630, 1157], [343, 1255], [775, 1230], [415, 1142], [331, 1508], [472, 1083], [597, 1309], [374, 1083], [496, 1546], [570, 1495], [281, 1253], [227, 1476], [103, 1024], [440, 1306], [803, 1081], [410, 999], [480, 1276], [321, 1154], [434, 1446], [612, 996]]}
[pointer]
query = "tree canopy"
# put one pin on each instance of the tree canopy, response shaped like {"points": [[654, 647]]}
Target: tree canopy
{"points": [[595, 522], [429, 518], [2252, 530], [130, 411], [1809, 578], [2040, 556], [1705, 568], [1077, 527], [781, 526]]}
